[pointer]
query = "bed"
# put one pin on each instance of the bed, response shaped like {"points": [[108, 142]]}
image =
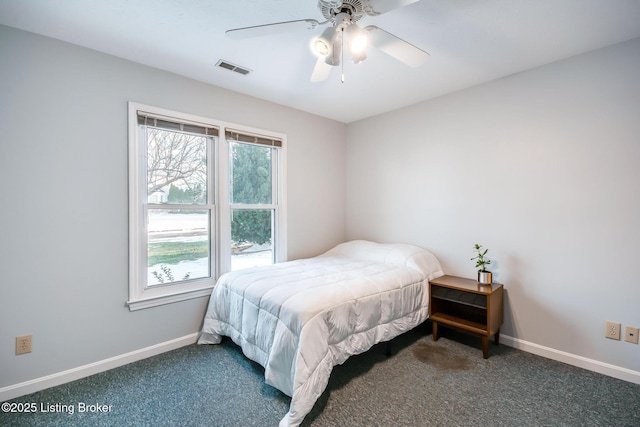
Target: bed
{"points": [[299, 319]]}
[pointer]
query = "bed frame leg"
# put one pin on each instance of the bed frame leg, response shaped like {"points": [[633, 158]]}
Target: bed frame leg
{"points": [[387, 350]]}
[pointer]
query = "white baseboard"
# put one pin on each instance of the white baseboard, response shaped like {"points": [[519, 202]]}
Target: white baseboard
{"points": [[32, 386], [572, 359]]}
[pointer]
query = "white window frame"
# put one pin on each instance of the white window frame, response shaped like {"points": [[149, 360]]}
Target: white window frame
{"points": [[142, 296]]}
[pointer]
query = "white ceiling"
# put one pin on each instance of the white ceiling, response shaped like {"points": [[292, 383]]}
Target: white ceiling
{"points": [[470, 42]]}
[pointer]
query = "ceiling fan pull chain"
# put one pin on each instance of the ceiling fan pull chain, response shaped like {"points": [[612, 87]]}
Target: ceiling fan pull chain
{"points": [[342, 54]]}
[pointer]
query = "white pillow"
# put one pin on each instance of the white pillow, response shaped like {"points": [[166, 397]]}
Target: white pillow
{"points": [[410, 256]]}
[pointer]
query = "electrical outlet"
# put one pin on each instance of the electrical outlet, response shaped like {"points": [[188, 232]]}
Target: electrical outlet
{"points": [[23, 344], [631, 334], [612, 330]]}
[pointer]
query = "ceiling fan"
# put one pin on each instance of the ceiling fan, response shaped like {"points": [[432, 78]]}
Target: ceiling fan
{"points": [[343, 15]]}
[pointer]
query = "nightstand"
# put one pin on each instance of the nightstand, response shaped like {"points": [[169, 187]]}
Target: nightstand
{"points": [[468, 306]]}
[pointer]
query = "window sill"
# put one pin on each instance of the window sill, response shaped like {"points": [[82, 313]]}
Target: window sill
{"points": [[142, 303]]}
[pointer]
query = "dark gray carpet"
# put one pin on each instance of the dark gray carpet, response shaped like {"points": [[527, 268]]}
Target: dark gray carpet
{"points": [[446, 383]]}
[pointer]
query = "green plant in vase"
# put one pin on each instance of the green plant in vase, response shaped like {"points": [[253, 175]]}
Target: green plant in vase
{"points": [[484, 275]]}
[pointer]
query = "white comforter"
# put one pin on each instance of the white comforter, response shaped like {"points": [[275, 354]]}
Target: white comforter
{"points": [[299, 319]]}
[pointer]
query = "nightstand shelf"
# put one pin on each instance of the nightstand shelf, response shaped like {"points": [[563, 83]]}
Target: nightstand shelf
{"points": [[468, 306]]}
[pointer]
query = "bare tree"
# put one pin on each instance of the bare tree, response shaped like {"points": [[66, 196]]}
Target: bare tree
{"points": [[175, 158]]}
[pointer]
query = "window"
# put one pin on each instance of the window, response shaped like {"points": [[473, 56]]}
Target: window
{"points": [[205, 198], [252, 187]]}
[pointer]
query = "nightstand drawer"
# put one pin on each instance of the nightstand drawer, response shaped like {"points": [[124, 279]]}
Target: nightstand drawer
{"points": [[462, 297]]}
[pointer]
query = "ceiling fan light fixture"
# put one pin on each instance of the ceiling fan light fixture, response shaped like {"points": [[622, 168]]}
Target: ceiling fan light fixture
{"points": [[323, 45], [320, 47], [333, 58], [358, 40], [357, 37], [359, 43]]}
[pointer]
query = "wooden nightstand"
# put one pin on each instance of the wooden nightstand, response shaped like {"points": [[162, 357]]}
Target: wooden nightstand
{"points": [[466, 305]]}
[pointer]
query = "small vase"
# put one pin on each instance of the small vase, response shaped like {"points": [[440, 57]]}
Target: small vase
{"points": [[484, 277]]}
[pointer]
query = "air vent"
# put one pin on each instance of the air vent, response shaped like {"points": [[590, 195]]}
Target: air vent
{"points": [[233, 67]]}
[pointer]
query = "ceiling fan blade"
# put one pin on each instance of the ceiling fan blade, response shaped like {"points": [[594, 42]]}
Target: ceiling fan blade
{"points": [[378, 7], [321, 71], [394, 46], [269, 29]]}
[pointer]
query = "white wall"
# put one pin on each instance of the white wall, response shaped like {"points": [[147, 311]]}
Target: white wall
{"points": [[542, 168], [63, 215]]}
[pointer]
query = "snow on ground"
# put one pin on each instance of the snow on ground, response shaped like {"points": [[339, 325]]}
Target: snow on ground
{"points": [[200, 267]]}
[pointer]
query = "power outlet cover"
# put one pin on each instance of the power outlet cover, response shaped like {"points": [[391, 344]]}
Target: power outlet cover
{"points": [[23, 344], [612, 330], [631, 334]]}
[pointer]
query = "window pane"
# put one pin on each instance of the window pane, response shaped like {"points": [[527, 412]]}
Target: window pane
{"points": [[251, 238], [176, 167], [178, 245], [250, 174]]}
